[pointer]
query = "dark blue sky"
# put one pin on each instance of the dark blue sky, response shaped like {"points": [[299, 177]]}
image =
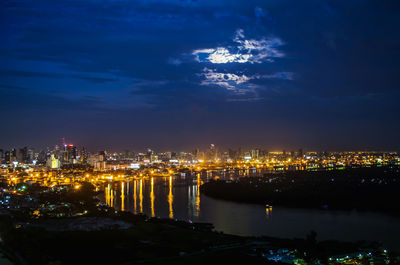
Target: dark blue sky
{"points": [[176, 74]]}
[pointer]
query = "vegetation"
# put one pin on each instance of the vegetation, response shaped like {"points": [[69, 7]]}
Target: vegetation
{"points": [[373, 189], [145, 240]]}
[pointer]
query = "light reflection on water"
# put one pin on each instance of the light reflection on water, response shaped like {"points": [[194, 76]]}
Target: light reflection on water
{"points": [[170, 199], [152, 197], [123, 196], [165, 196], [180, 198], [149, 196]]}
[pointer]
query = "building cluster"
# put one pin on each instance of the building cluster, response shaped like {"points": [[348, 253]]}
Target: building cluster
{"points": [[69, 156]]}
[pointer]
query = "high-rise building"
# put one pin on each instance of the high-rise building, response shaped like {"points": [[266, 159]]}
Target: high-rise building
{"points": [[255, 153], [42, 157], [22, 155], [83, 156], [53, 162], [102, 156], [240, 153], [300, 153], [196, 152], [232, 154], [7, 156], [10, 156], [212, 152], [70, 154], [31, 155]]}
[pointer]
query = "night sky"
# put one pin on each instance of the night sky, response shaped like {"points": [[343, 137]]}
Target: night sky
{"points": [[175, 74]]}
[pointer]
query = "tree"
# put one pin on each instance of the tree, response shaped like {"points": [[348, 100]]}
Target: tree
{"points": [[311, 238]]}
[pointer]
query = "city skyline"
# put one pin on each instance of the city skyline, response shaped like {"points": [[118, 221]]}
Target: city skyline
{"points": [[320, 75], [244, 148], [67, 156]]}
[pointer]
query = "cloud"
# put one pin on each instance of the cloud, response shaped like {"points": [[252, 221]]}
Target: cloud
{"points": [[244, 51], [278, 75], [244, 99], [238, 83], [225, 80], [253, 51], [141, 86]]}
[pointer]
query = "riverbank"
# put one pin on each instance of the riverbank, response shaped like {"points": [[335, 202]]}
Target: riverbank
{"points": [[363, 189]]}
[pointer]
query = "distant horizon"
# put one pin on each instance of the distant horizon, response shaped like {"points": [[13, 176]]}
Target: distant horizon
{"points": [[203, 148]]}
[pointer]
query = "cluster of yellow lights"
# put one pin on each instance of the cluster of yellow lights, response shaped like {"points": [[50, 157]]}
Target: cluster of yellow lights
{"points": [[58, 177]]}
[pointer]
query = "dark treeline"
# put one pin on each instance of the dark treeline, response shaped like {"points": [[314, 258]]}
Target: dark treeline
{"points": [[372, 189]]}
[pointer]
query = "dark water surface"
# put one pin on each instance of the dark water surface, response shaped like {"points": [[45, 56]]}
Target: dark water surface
{"points": [[180, 198]]}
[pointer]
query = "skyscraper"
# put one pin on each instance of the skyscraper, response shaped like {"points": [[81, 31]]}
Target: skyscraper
{"points": [[70, 154]]}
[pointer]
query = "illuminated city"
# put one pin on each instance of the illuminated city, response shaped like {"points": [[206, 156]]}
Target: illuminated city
{"points": [[153, 183], [199, 132], [68, 165]]}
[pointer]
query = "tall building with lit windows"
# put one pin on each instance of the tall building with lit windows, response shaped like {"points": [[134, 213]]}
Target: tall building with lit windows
{"points": [[212, 152], [255, 153], [70, 154]]}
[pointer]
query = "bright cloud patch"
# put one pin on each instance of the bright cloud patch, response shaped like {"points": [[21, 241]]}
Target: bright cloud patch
{"points": [[238, 83], [226, 80], [253, 51], [245, 51]]}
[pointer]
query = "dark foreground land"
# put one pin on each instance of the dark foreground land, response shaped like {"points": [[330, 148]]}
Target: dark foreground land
{"points": [[370, 189], [145, 241], [155, 241]]}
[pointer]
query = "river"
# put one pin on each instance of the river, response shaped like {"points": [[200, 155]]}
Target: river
{"points": [[180, 198]]}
